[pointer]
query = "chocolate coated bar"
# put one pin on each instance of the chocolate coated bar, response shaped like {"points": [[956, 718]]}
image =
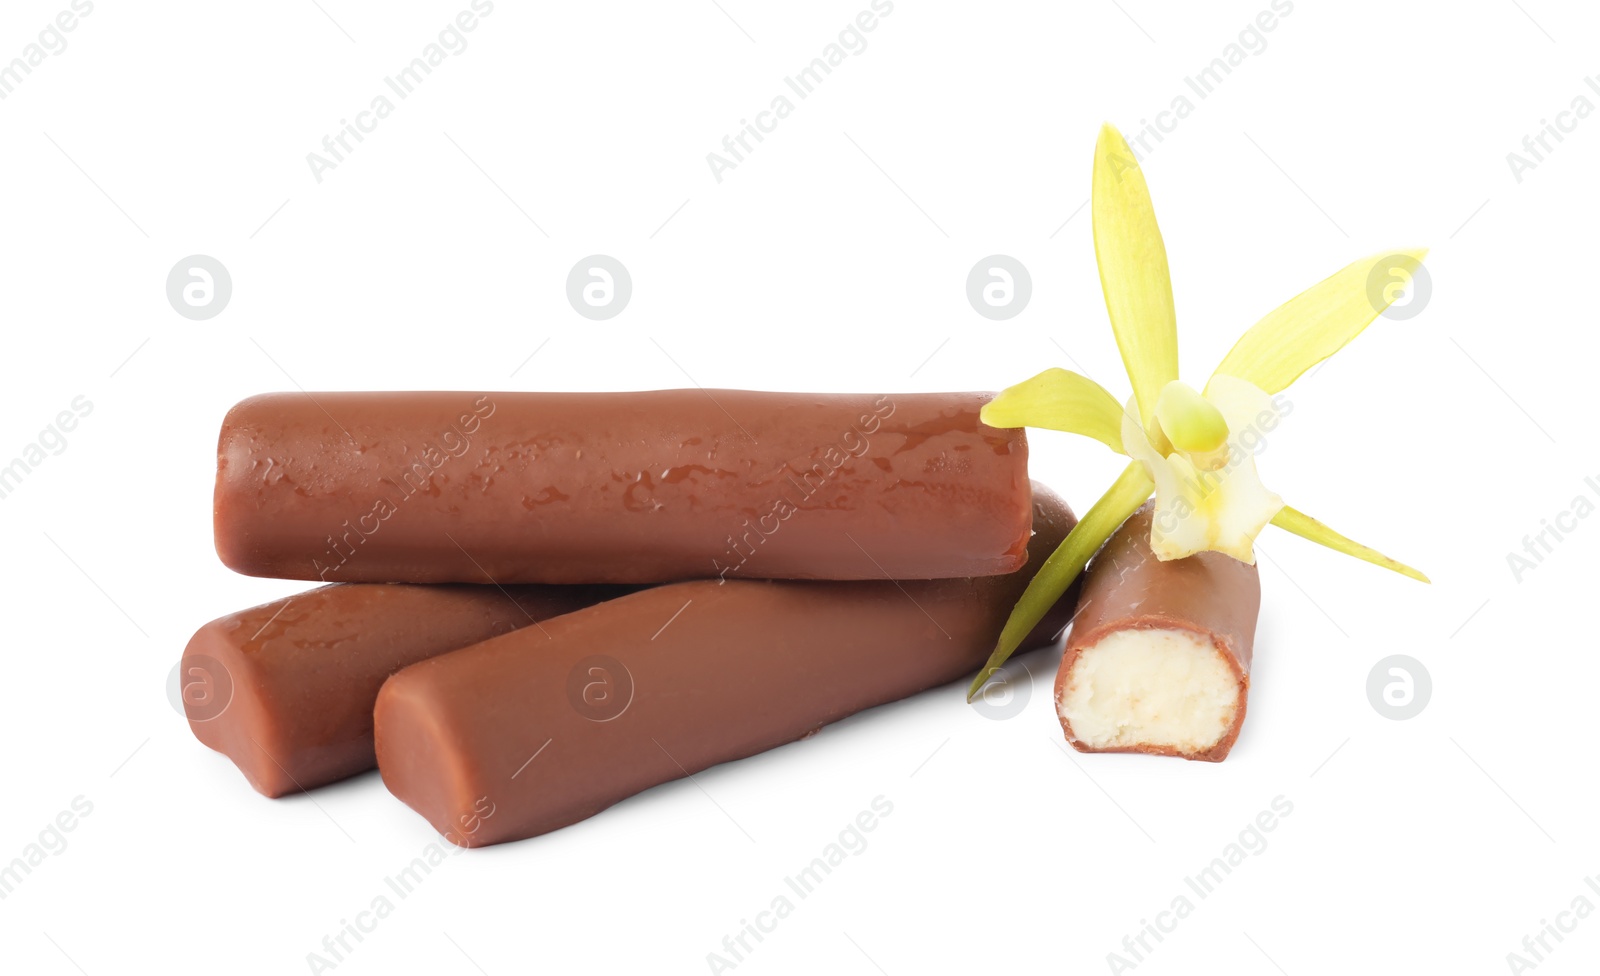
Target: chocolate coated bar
{"points": [[1159, 657], [520, 735], [618, 487], [286, 689]]}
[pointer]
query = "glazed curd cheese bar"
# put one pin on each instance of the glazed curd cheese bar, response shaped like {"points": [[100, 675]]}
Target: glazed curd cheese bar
{"points": [[286, 689], [618, 487], [524, 734], [1159, 657]]}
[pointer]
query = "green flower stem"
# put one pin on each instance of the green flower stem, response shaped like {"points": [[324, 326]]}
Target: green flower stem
{"points": [[1124, 496]]}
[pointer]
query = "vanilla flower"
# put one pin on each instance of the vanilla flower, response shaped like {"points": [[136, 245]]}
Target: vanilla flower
{"points": [[1195, 450]]}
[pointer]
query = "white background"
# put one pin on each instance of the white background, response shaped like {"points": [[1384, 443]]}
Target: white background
{"points": [[833, 258]]}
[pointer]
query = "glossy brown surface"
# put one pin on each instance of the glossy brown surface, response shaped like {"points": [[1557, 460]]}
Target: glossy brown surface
{"points": [[1209, 594], [520, 735], [286, 689], [618, 487]]}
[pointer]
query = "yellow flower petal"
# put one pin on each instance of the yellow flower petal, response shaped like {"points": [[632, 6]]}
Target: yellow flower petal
{"points": [[1219, 511], [1133, 271], [1307, 527], [1125, 495], [1059, 399], [1136, 444], [1318, 322], [1222, 506]]}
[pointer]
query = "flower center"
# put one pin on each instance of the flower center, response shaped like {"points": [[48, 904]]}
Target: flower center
{"points": [[1192, 424]]}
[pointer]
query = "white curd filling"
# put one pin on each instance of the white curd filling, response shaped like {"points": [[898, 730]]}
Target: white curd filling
{"points": [[1168, 688]]}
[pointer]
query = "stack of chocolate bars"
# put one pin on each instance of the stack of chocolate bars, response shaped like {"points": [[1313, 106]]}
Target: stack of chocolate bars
{"points": [[541, 604]]}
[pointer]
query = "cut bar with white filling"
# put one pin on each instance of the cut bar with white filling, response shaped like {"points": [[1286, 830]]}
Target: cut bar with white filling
{"points": [[1158, 687], [1159, 657]]}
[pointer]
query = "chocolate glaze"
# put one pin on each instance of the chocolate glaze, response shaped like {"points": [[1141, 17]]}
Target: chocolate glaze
{"points": [[521, 735], [618, 487], [1209, 594], [286, 689]]}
